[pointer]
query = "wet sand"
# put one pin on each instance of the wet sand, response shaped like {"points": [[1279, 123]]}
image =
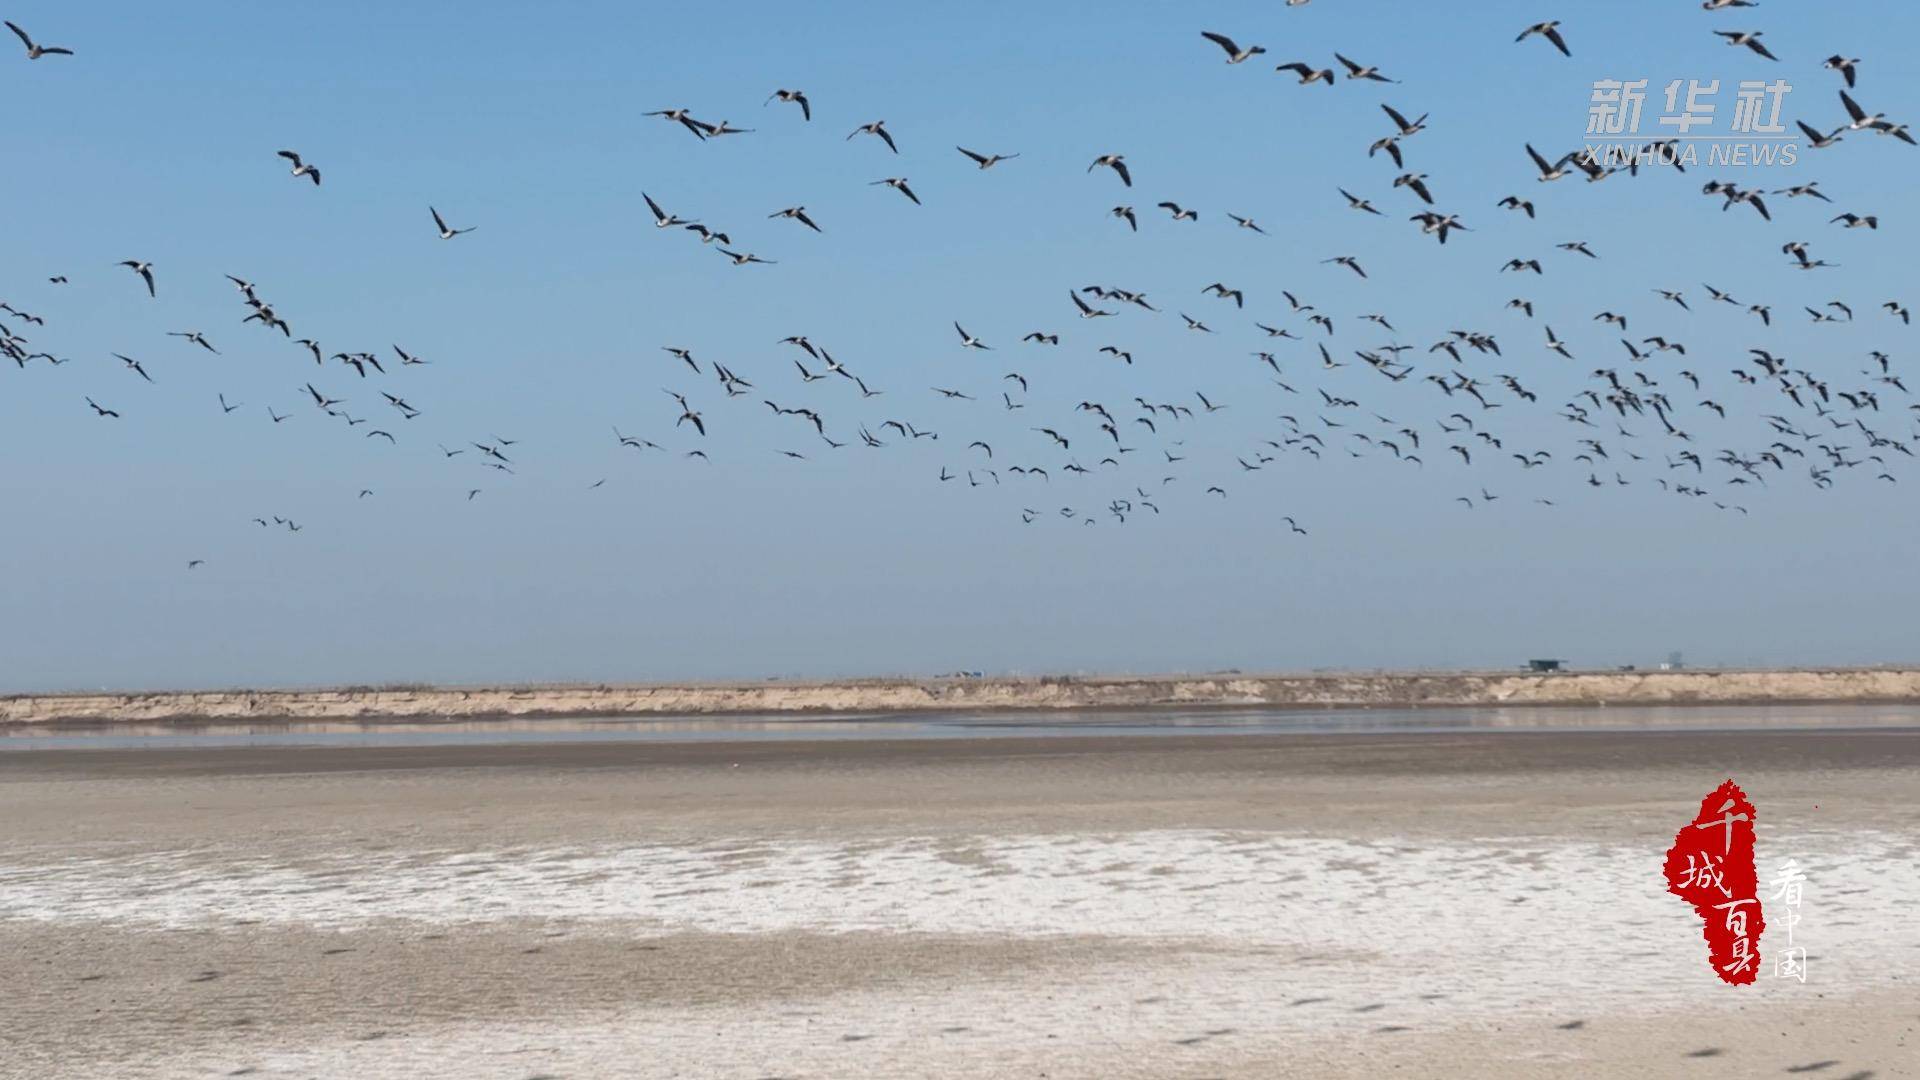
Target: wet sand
{"points": [[1485, 904]]}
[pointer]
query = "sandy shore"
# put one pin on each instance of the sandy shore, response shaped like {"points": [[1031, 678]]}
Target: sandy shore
{"points": [[1377, 690], [1225, 906]]}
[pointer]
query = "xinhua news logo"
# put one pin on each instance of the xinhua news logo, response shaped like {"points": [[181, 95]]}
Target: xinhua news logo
{"points": [[1690, 126]]}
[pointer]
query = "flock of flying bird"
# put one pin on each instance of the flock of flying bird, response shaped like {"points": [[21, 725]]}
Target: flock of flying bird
{"points": [[1651, 412]]}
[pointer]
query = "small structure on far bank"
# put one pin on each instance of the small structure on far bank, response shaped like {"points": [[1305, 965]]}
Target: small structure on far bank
{"points": [[1545, 666]]}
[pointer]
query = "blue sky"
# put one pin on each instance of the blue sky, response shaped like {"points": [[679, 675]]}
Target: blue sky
{"points": [[157, 142]]}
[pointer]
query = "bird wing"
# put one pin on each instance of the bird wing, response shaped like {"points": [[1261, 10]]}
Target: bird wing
{"points": [[21, 34], [442, 222]]}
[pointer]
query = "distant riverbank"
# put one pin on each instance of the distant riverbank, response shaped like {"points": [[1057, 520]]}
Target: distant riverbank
{"points": [[1320, 691]]}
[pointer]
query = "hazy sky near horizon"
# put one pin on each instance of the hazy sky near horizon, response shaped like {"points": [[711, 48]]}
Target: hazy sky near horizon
{"points": [[545, 326]]}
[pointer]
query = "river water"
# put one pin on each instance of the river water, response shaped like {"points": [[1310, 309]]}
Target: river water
{"points": [[919, 725]]}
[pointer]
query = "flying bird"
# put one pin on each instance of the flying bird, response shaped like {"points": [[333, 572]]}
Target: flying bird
{"points": [[1235, 54], [448, 234], [1357, 203], [1358, 71], [194, 338], [661, 219], [1308, 75], [1749, 38], [1515, 202], [35, 52], [301, 168], [1085, 311], [1115, 162], [899, 184], [797, 97], [699, 129], [968, 341], [144, 269], [1547, 172], [986, 161], [879, 128], [1815, 139], [1549, 30], [133, 366], [795, 213]]}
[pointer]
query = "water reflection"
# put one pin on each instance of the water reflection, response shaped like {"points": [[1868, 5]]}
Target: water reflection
{"points": [[1248, 721]]}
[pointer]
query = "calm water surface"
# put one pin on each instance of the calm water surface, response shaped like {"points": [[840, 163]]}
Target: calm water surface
{"points": [[745, 728]]}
